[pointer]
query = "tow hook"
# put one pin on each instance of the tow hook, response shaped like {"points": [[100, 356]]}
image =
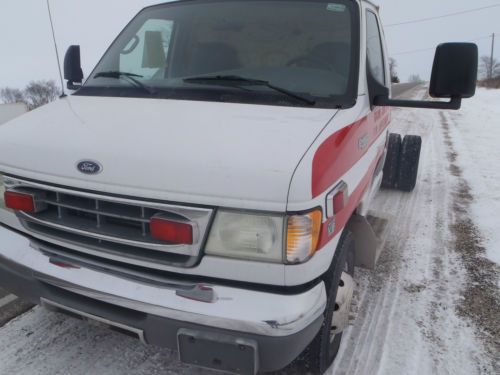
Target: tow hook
{"points": [[346, 304]]}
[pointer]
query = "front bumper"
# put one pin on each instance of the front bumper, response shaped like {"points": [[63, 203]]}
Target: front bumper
{"points": [[281, 326]]}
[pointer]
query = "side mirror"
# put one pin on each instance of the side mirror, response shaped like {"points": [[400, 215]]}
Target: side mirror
{"points": [[454, 77], [454, 73], [73, 68]]}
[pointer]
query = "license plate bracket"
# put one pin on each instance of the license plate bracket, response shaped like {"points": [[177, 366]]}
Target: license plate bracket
{"points": [[217, 351]]}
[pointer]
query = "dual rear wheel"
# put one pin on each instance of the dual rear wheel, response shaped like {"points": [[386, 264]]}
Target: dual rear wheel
{"points": [[402, 161]]}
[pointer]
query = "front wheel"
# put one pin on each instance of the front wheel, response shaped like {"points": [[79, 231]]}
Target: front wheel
{"points": [[339, 283]]}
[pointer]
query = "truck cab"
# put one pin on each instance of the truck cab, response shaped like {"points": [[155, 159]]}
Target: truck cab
{"points": [[205, 187]]}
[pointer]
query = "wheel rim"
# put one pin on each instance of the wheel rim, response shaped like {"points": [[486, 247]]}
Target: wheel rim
{"points": [[334, 329]]}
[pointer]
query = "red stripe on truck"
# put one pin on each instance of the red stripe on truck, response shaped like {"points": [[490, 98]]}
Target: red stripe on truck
{"points": [[340, 220], [342, 150]]}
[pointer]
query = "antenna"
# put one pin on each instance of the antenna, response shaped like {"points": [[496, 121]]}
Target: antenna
{"points": [[63, 94]]}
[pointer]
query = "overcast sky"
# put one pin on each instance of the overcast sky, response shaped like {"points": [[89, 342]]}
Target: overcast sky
{"points": [[28, 53]]}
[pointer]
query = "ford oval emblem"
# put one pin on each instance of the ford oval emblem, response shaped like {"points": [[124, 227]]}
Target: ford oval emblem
{"points": [[89, 167]]}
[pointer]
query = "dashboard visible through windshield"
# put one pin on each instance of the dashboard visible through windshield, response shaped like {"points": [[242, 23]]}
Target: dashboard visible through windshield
{"points": [[294, 52]]}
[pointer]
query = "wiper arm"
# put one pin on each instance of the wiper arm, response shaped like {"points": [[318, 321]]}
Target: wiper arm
{"points": [[130, 76], [243, 81], [116, 74]]}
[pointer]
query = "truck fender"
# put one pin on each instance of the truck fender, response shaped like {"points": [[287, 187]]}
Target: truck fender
{"points": [[375, 185], [366, 243]]}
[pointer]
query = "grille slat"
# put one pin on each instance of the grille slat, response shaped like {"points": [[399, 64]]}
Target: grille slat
{"points": [[115, 228], [59, 208], [117, 212], [89, 247], [97, 211], [113, 232]]}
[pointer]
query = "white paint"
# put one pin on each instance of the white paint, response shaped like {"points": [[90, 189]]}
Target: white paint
{"points": [[11, 111], [221, 154]]}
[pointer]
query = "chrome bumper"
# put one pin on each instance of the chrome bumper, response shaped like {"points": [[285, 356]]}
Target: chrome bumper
{"points": [[216, 306]]}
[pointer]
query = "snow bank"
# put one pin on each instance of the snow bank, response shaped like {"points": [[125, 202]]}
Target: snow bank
{"points": [[476, 137]]}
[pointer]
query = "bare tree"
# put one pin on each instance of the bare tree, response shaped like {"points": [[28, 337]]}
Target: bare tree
{"points": [[415, 78], [39, 93], [9, 95], [488, 69], [392, 68]]}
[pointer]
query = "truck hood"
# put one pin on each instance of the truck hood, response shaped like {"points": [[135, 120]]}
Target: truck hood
{"points": [[221, 154]]}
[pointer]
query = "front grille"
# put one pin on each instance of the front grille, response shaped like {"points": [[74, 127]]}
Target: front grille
{"points": [[110, 227]]}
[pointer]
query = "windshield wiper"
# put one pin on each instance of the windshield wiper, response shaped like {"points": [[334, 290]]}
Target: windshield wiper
{"points": [[130, 76], [243, 81]]}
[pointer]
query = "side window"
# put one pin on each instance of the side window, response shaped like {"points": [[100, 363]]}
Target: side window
{"points": [[374, 49], [146, 53]]}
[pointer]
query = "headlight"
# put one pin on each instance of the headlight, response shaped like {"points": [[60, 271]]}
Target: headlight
{"points": [[261, 237], [247, 236]]}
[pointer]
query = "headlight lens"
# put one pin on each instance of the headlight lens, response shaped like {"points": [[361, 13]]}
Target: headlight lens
{"points": [[247, 236], [261, 237]]}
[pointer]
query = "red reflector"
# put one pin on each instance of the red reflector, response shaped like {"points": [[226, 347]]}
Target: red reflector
{"points": [[19, 201], [338, 202], [171, 231]]}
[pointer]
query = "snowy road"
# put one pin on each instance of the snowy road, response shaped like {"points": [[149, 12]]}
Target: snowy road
{"points": [[11, 306], [427, 309]]}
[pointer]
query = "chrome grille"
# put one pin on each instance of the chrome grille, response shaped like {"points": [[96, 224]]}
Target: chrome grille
{"points": [[110, 227]]}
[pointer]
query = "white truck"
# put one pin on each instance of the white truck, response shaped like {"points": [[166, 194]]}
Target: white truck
{"points": [[205, 189], [11, 111]]}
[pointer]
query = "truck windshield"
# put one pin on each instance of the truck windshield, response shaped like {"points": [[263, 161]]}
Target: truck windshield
{"points": [[292, 52]]}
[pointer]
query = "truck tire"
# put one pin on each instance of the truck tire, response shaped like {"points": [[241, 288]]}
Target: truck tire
{"points": [[321, 352], [391, 166], [408, 163]]}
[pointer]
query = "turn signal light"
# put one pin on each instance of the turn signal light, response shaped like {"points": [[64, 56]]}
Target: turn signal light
{"points": [[19, 201], [171, 231], [303, 233]]}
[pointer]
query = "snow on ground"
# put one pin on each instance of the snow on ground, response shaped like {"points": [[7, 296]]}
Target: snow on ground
{"points": [[46, 343], [410, 320], [476, 136]]}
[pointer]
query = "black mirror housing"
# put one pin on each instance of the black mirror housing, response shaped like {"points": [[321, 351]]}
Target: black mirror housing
{"points": [[454, 76], [73, 72], [454, 73]]}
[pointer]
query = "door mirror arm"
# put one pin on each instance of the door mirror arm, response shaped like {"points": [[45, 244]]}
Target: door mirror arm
{"points": [[384, 101]]}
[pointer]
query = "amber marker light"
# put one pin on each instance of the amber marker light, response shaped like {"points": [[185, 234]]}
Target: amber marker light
{"points": [[303, 232]]}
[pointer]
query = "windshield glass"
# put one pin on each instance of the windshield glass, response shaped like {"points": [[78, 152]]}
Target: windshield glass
{"points": [[295, 52]]}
